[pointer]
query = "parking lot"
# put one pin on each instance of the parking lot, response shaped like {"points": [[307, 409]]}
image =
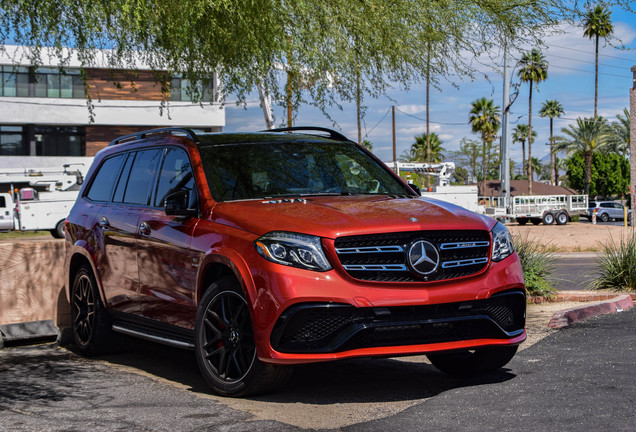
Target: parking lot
{"points": [[577, 378]]}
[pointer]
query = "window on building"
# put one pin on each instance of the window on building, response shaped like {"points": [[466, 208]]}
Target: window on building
{"points": [[11, 141], [45, 82], [181, 89], [59, 141]]}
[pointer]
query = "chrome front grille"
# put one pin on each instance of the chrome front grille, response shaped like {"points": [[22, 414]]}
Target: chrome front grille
{"points": [[384, 257]]}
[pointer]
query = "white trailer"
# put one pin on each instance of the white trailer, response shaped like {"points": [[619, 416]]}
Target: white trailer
{"points": [[541, 208], [38, 200]]}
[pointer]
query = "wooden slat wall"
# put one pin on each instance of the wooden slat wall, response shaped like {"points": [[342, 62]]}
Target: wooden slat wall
{"points": [[123, 85], [98, 137]]}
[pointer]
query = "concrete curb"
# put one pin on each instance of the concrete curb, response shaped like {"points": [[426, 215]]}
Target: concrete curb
{"points": [[22, 332], [566, 317]]}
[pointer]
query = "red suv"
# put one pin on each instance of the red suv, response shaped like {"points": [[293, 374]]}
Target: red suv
{"points": [[268, 249]]}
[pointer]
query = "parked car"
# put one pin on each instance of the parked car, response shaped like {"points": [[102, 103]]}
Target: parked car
{"points": [[264, 250], [608, 210]]}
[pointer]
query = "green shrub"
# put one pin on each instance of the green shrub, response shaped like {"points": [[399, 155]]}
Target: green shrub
{"points": [[537, 264], [575, 218], [617, 266]]}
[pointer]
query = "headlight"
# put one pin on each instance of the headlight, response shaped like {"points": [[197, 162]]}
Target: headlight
{"points": [[292, 249], [501, 242]]}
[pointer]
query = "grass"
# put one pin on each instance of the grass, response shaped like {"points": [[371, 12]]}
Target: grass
{"points": [[23, 234], [617, 265], [537, 262]]}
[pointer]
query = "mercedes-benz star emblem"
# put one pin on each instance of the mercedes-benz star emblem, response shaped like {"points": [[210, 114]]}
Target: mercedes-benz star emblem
{"points": [[423, 257]]}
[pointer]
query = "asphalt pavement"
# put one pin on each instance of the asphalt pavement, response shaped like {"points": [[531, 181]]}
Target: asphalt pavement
{"points": [[579, 378]]}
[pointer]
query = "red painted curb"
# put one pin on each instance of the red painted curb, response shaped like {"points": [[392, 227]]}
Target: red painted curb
{"points": [[566, 317]]}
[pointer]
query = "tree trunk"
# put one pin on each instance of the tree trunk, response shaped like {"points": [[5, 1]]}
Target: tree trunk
{"points": [[358, 102], [524, 167], [530, 141], [552, 157], [428, 87], [596, 81], [587, 178], [483, 167]]}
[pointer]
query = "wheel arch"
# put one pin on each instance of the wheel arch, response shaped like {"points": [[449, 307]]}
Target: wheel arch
{"points": [[218, 265], [80, 256]]}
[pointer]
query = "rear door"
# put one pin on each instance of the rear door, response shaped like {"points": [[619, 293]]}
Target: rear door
{"points": [[119, 222]]}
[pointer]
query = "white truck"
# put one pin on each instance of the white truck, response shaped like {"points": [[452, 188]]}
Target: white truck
{"points": [[464, 196], [37, 199], [540, 208]]}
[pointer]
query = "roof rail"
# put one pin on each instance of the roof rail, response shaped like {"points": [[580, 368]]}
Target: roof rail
{"points": [[332, 133], [143, 134]]}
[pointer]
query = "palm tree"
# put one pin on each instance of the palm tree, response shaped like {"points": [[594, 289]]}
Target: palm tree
{"points": [[552, 108], [419, 153], [618, 139], [520, 135], [533, 69], [587, 137], [597, 24], [484, 120]]}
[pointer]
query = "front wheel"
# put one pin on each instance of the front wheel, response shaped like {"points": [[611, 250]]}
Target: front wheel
{"points": [[472, 362], [225, 347], [548, 219]]}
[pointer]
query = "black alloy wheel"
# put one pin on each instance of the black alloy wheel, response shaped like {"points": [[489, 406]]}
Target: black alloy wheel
{"points": [[91, 324], [225, 347], [228, 339], [83, 309]]}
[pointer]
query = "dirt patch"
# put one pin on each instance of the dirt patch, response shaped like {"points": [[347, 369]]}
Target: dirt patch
{"points": [[573, 237]]}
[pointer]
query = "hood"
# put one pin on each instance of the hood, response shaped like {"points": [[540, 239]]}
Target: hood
{"points": [[335, 216]]}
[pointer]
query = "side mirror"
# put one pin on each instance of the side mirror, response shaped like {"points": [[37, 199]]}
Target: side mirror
{"points": [[416, 189], [176, 204]]}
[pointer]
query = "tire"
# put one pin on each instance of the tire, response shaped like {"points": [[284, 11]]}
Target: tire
{"points": [[58, 231], [604, 217], [548, 219], [535, 221], [562, 218], [91, 324], [522, 221], [225, 348], [471, 362]]}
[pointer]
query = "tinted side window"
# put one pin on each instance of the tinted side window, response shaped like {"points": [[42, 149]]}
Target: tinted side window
{"points": [[606, 205], [176, 174], [105, 178], [141, 176], [123, 179], [3, 202]]}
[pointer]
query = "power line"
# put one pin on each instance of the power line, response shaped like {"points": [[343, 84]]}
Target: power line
{"points": [[366, 134], [586, 71], [587, 62], [587, 52], [434, 122]]}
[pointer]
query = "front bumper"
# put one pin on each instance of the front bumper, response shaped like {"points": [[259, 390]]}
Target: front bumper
{"points": [[322, 328]]}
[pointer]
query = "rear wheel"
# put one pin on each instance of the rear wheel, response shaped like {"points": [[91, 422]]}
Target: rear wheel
{"points": [[471, 362], [92, 327], [535, 221], [562, 218], [604, 217], [225, 347], [58, 231]]}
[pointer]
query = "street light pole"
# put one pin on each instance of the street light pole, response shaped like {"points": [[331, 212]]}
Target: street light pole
{"points": [[505, 142]]}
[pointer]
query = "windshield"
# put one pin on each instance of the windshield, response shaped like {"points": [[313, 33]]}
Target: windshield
{"points": [[270, 170]]}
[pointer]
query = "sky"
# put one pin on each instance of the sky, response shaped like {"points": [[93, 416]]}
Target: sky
{"points": [[570, 81]]}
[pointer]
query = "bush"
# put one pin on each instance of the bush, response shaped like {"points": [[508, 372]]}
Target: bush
{"points": [[575, 218], [537, 264], [617, 266]]}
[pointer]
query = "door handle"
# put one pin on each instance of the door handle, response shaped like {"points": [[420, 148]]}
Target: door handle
{"points": [[144, 228], [104, 223]]}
